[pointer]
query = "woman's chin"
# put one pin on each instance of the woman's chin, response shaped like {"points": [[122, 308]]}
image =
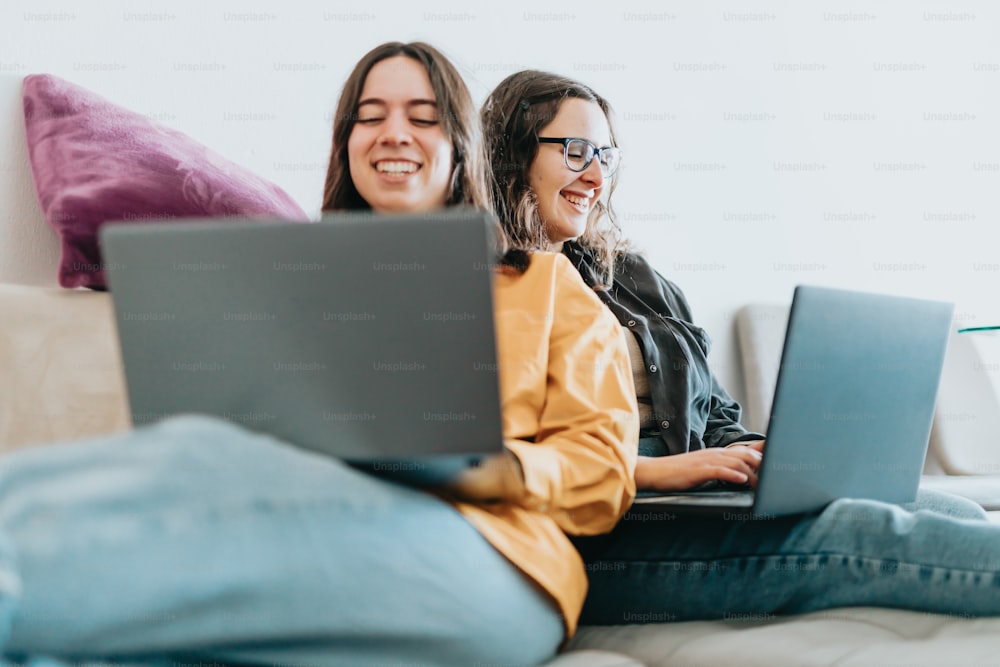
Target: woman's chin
{"points": [[566, 231], [395, 204], [400, 202]]}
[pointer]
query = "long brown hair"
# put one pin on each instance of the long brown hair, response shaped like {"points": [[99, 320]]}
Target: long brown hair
{"points": [[513, 115], [470, 170]]}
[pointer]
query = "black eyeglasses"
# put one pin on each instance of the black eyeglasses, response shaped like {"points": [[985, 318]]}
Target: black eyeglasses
{"points": [[579, 153]]}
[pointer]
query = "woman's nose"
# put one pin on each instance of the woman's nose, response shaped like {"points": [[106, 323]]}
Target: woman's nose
{"points": [[395, 130], [593, 174]]}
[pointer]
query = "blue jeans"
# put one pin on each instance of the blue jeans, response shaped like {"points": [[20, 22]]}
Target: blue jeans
{"points": [[938, 554], [198, 540]]}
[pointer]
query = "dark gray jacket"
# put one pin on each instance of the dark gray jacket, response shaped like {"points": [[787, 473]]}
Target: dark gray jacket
{"points": [[693, 411]]}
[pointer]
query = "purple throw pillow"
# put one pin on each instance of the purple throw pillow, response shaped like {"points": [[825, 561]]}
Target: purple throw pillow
{"points": [[93, 162]]}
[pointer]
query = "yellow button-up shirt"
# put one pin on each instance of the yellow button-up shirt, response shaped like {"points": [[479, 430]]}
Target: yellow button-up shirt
{"points": [[570, 418]]}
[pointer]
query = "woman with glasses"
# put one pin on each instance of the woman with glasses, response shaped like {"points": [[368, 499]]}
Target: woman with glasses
{"points": [[555, 167], [195, 541], [554, 192]]}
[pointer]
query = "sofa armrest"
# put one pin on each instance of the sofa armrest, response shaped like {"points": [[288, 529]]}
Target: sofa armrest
{"points": [[967, 417], [60, 366]]}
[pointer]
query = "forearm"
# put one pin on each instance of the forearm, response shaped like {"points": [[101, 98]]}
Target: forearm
{"points": [[736, 465]]}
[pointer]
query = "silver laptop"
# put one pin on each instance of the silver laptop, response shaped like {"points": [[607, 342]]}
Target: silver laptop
{"points": [[368, 338], [852, 408]]}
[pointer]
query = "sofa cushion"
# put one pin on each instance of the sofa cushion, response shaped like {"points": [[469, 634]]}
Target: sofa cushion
{"points": [[592, 658], [93, 161], [846, 637], [60, 364]]}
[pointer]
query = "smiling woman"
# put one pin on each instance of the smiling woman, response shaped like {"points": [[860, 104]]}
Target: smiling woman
{"points": [[406, 136], [935, 554], [566, 195], [398, 140], [555, 161], [195, 537]]}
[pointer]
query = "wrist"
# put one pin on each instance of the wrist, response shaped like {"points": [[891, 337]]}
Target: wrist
{"points": [[645, 472]]}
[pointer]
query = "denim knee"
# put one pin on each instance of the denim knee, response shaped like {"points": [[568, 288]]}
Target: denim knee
{"points": [[946, 503], [521, 627]]}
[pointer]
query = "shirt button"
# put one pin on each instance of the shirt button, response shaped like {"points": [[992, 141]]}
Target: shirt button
{"points": [[631, 323], [665, 424], [652, 368]]}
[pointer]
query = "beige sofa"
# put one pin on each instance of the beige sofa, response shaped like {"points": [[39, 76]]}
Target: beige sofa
{"points": [[59, 360], [62, 380]]}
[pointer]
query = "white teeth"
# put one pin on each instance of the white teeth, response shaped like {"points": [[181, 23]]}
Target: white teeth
{"points": [[579, 201], [390, 167]]}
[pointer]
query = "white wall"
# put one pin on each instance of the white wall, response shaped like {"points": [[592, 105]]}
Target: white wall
{"points": [[767, 143]]}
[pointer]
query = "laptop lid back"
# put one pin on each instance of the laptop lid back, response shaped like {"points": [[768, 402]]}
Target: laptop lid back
{"points": [[854, 399], [366, 337]]}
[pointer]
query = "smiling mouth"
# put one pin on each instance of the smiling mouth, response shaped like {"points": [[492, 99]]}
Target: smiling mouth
{"points": [[396, 167], [581, 204]]}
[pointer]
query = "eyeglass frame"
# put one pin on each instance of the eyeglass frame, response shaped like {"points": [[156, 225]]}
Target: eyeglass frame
{"points": [[596, 153]]}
